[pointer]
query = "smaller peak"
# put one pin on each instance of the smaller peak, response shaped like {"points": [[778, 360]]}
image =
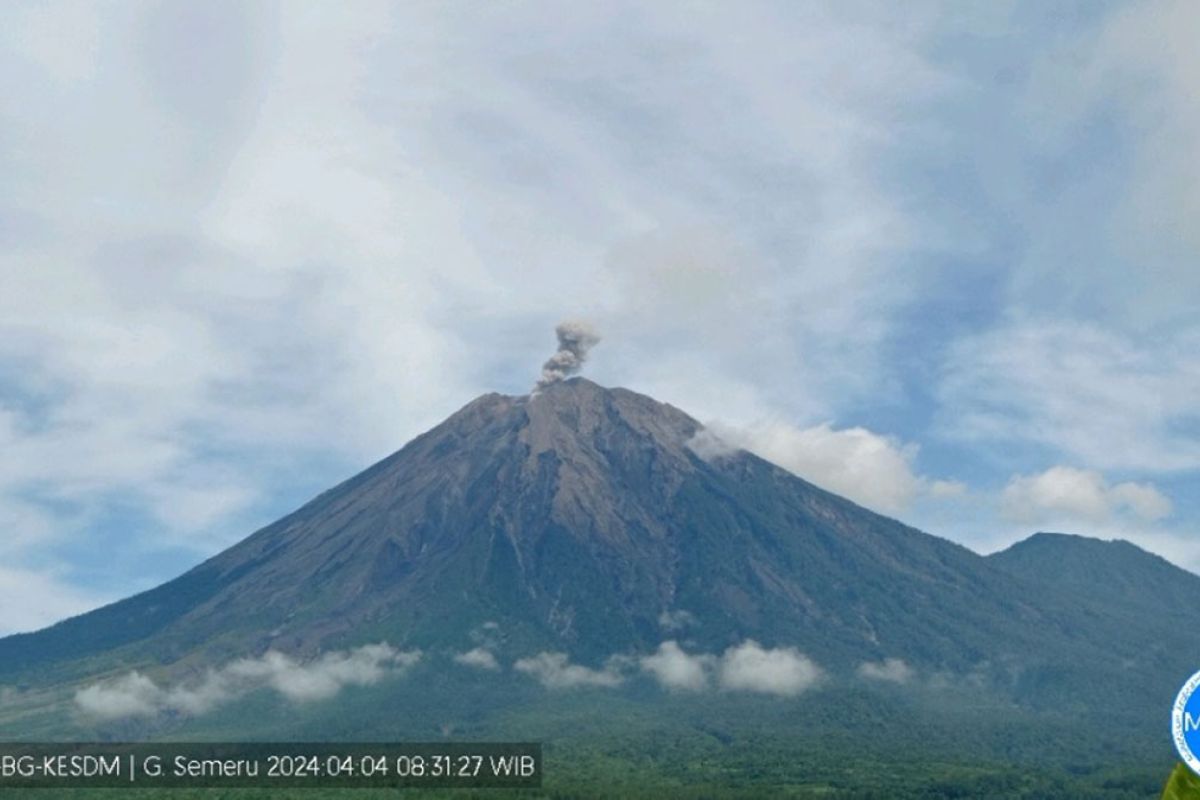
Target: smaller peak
{"points": [[1055, 537], [1074, 540], [1044, 542], [1064, 548]]}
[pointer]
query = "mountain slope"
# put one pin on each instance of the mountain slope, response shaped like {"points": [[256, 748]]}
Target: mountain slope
{"points": [[580, 519], [1115, 575], [1125, 585]]}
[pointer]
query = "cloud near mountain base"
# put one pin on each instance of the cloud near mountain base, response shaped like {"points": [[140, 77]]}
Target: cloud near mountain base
{"points": [[747, 667], [890, 670], [555, 671], [478, 658], [137, 695]]}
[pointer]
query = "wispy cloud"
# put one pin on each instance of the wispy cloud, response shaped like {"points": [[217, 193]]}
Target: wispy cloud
{"points": [[555, 671], [479, 658], [368, 213], [1102, 398], [677, 620], [137, 695], [874, 470], [31, 599], [746, 667], [890, 670], [179, 259], [1080, 495]]}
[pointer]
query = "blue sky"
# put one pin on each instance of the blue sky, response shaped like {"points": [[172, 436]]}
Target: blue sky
{"points": [[941, 258]]}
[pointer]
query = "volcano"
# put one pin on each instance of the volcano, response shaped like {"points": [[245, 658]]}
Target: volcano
{"points": [[591, 521]]}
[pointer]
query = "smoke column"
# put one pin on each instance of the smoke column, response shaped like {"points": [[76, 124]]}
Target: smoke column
{"points": [[575, 339]]}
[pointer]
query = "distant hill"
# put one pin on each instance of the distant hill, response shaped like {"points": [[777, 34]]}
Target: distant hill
{"points": [[1139, 599], [1117, 576]]}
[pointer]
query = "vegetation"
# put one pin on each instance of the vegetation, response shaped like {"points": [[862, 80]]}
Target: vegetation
{"points": [[640, 742], [600, 774], [1183, 785]]}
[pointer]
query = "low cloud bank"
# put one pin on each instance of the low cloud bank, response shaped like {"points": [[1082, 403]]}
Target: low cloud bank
{"points": [[747, 667], [555, 671], [783, 671], [136, 695]]}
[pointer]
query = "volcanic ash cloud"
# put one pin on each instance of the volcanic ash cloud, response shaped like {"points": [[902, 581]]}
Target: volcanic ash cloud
{"points": [[575, 339]]}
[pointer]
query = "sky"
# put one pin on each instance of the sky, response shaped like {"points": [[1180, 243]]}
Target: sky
{"points": [[941, 258]]}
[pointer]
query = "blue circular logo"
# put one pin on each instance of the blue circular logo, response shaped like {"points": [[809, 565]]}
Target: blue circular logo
{"points": [[1185, 723]]}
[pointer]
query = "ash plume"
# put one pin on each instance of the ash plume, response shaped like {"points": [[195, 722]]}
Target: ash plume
{"points": [[575, 339]]}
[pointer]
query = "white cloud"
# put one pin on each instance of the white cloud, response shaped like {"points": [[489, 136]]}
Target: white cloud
{"points": [[132, 695], [306, 259], [32, 599], [710, 445], [26, 524], [181, 257], [676, 670], [135, 694], [324, 677], [487, 636], [752, 668], [1118, 241], [189, 506], [1098, 397], [1151, 50], [942, 489], [1143, 499], [873, 470], [890, 670], [478, 658], [555, 671], [1066, 492], [65, 52], [746, 667]]}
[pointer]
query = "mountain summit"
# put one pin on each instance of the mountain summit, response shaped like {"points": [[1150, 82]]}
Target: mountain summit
{"points": [[581, 518]]}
